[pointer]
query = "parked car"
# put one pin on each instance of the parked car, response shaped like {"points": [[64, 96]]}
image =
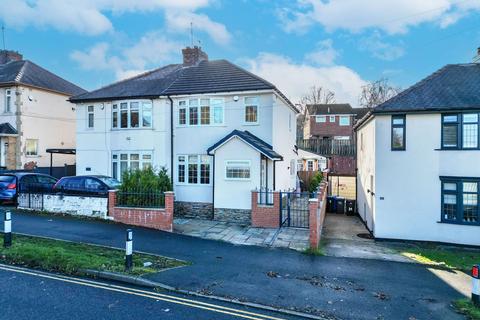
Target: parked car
{"points": [[12, 183], [86, 185]]}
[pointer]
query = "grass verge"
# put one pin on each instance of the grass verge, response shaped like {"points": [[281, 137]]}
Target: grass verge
{"points": [[314, 251], [71, 258], [466, 307], [454, 258]]}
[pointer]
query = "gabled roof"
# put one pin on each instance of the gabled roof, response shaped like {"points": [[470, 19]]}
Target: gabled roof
{"points": [[6, 128], [205, 77], [30, 74], [453, 87], [250, 139]]}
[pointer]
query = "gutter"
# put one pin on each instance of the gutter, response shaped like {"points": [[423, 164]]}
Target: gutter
{"points": [[171, 139]]}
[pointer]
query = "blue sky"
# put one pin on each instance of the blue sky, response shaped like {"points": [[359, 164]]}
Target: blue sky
{"points": [[337, 44]]}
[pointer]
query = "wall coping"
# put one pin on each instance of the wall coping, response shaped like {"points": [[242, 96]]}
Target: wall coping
{"points": [[140, 208]]}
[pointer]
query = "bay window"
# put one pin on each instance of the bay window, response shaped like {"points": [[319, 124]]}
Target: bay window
{"points": [[130, 160], [132, 114], [200, 112], [193, 169], [460, 200]]}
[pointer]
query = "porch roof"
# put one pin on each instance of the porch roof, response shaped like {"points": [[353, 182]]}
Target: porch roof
{"points": [[7, 129], [250, 139]]}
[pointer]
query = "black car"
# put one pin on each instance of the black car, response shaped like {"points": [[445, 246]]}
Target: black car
{"points": [[86, 185], [13, 183]]}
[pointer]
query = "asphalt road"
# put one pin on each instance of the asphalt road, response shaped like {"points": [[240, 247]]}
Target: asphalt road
{"points": [[339, 288], [29, 294]]}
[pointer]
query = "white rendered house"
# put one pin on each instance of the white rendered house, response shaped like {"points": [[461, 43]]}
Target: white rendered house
{"points": [[418, 160], [220, 131]]}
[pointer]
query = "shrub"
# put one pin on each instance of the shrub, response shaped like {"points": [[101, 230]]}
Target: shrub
{"points": [[315, 181]]}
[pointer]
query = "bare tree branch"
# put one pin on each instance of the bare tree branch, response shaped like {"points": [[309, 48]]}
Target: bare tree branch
{"points": [[318, 95], [377, 92]]}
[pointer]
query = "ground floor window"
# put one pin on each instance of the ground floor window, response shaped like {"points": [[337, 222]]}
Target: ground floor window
{"points": [[124, 161], [237, 169], [460, 200], [194, 169], [310, 165]]}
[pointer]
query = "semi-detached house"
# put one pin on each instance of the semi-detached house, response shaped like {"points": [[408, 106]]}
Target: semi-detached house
{"points": [[418, 160], [219, 130]]}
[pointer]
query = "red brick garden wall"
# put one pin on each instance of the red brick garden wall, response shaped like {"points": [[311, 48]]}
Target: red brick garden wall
{"points": [[266, 216], [317, 208], [161, 219]]}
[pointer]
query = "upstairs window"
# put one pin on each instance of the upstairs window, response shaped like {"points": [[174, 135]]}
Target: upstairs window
{"points": [[8, 100], [251, 110], [331, 119], [344, 121], [470, 131], [200, 112], [460, 131], [398, 133], [460, 200], [90, 117], [320, 119], [132, 114]]}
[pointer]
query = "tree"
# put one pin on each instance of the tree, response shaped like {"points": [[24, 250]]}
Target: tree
{"points": [[318, 95], [377, 92]]}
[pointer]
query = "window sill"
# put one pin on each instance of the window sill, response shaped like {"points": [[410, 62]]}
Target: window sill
{"points": [[201, 126], [128, 129], [32, 156], [457, 149], [251, 124], [193, 184], [460, 223]]}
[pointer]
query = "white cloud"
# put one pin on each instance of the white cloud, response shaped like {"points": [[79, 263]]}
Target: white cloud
{"points": [[151, 51], [324, 54], [392, 17], [89, 16], [294, 79], [381, 49]]}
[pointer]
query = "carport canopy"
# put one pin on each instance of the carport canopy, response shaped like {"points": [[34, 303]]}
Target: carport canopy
{"points": [[59, 151]]}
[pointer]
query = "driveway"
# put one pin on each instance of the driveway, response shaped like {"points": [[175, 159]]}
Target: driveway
{"points": [[336, 288]]}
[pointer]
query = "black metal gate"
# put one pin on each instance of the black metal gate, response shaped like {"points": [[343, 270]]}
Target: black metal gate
{"points": [[294, 209]]}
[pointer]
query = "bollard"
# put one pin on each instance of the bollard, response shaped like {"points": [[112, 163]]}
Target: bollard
{"points": [[7, 229], [128, 250], [476, 285]]}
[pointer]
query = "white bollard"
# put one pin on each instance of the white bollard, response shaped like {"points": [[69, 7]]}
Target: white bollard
{"points": [[7, 229], [129, 250], [476, 285]]}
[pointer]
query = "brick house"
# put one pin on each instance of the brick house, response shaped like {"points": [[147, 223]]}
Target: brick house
{"points": [[333, 122]]}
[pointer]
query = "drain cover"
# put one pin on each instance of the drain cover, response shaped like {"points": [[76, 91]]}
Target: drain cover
{"points": [[365, 235]]}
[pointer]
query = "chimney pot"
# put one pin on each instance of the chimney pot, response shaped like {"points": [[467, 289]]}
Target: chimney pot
{"points": [[193, 56], [7, 56]]}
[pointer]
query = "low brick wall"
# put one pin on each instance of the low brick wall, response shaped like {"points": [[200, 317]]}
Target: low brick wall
{"points": [[266, 216], [161, 219], [317, 208]]}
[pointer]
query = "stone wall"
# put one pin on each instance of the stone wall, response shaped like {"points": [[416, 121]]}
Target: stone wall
{"points": [[266, 216], [199, 210], [161, 219], [240, 216]]}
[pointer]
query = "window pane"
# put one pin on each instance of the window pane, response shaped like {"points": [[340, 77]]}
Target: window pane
{"points": [[397, 137], [470, 187], [147, 114], [134, 115], [90, 108], [115, 119], [205, 115], [238, 170], [398, 121], [320, 119], [192, 172], [134, 156], [124, 156], [449, 186], [344, 121], [182, 116], [470, 118], [450, 118], [449, 207], [251, 114], [90, 120], [205, 173], [31, 147], [193, 115], [217, 105], [115, 170], [450, 136], [124, 119], [470, 135], [181, 169], [470, 210], [331, 119]]}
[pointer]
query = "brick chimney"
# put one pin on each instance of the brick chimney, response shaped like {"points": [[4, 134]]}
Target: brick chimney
{"points": [[192, 56], [8, 55]]}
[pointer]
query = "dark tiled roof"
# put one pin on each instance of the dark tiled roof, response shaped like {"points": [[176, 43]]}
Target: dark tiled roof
{"points": [[28, 73], [360, 112], [322, 109], [6, 128], [453, 87], [252, 140], [206, 77]]}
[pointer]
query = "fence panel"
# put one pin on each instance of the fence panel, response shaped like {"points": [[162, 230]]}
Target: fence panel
{"points": [[328, 147]]}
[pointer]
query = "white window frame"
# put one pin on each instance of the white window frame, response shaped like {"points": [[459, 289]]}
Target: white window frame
{"points": [[199, 170], [300, 165], [90, 113], [331, 119], [312, 162], [342, 118], [141, 109], [320, 119], [36, 148], [212, 104], [256, 105], [248, 162], [8, 101], [116, 158]]}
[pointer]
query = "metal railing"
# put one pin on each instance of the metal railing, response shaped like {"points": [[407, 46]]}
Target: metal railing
{"points": [[265, 197], [328, 147], [140, 199]]}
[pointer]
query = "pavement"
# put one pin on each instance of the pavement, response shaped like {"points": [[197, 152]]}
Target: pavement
{"points": [[332, 287], [29, 294], [292, 238]]}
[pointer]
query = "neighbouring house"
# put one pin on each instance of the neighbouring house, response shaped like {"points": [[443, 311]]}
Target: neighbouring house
{"points": [[308, 161], [35, 114], [220, 131], [331, 126], [418, 154]]}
